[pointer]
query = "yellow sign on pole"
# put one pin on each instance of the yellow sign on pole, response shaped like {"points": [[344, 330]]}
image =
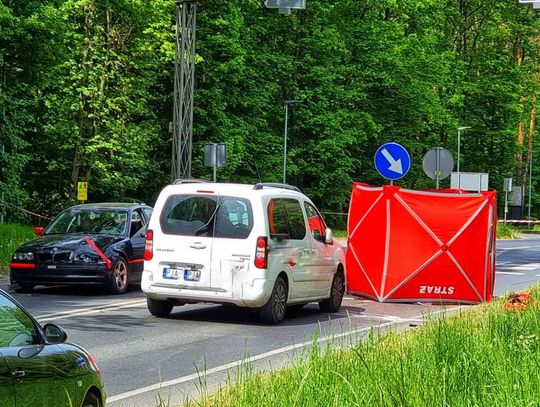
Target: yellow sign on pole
{"points": [[82, 191]]}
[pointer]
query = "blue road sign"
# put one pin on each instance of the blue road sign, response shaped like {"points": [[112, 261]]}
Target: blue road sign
{"points": [[392, 161]]}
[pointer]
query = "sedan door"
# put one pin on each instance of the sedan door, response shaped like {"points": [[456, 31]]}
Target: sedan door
{"points": [[137, 233], [40, 373], [7, 395]]}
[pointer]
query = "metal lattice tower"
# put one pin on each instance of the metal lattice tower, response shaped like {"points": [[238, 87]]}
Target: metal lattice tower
{"points": [[184, 86]]}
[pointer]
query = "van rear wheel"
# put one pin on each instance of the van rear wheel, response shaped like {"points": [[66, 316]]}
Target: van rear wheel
{"points": [[158, 308], [273, 311], [333, 303]]}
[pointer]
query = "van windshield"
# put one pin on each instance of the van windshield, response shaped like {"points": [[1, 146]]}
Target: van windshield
{"points": [[207, 216]]}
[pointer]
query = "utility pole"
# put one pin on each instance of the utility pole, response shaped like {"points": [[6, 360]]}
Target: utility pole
{"points": [[184, 88], [286, 104]]}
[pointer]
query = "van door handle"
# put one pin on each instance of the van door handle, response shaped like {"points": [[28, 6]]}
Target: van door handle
{"points": [[198, 246], [18, 374]]}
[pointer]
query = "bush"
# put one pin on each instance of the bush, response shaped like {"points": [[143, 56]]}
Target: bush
{"points": [[11, 237]]}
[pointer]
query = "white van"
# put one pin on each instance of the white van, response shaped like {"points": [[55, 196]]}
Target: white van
{"points": [[261, 246]]}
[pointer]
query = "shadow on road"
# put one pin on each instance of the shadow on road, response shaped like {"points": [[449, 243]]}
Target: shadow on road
{"points": [[79, 291], [230, 314]]}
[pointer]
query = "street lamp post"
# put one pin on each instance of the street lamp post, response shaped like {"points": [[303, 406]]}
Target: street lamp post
{"points": [[459, 130], [530, 189], [286, 103]]}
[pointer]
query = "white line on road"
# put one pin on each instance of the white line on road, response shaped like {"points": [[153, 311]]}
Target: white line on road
{"points": [[512, 273], [504, 249], [90, 310], [265, 355]]}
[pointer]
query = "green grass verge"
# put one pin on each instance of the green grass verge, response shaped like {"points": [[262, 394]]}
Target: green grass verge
{"points": [[507, 231], [484, 356], [11, 237], [339, 234]]}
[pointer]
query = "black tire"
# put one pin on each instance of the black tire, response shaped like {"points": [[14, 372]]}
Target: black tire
{"points": [[22, 288], [333, 303], [91, 400], [119, 277], [273, 312], [158, 308]]}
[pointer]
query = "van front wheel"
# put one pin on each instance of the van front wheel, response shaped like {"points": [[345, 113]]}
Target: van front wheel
{"points": [[159, 308], [273, 311]]}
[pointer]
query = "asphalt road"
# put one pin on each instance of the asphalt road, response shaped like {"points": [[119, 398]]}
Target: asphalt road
{"points": [[143, 358]]}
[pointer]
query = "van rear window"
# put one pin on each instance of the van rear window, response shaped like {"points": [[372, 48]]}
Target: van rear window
{"points": [[204, 215]]}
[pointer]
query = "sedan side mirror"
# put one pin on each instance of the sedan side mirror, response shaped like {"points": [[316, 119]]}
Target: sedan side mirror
{"points": [[38, 230], [328, 236], [54, 334]]}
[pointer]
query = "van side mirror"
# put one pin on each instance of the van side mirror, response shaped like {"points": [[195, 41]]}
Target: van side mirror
{"points": [[328, 236]]}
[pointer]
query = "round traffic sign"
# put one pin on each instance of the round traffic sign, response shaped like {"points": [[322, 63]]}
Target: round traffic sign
{"points": [[438, 163], [392, 161]]}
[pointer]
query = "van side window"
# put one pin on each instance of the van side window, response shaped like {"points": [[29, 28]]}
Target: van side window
{"points": [[286, 219], [316, 223]]}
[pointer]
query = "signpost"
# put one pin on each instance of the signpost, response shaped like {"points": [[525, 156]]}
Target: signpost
{"points": [[438, 163], [392, 161], [507, 188], [82, 191], [284, 6], [215, 155]]}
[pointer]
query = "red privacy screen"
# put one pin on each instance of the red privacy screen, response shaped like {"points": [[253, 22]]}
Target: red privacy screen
{"points": [[409, 246]]}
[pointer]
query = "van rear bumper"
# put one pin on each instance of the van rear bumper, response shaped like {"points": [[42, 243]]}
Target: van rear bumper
{"points": [[252, 295]]}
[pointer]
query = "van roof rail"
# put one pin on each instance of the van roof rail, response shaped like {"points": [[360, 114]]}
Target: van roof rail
{"points": [[262, 185], [189, 181]]}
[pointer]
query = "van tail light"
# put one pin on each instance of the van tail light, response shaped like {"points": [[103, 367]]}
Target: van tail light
{"points": [[149, 245], [261, 252]]}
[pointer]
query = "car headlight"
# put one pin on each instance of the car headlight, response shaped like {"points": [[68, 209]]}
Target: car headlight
{"points": [[84, 258], [23, 256]]}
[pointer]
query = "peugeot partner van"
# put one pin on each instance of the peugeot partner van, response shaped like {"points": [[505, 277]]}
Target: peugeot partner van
{"points": [[262, 246]]}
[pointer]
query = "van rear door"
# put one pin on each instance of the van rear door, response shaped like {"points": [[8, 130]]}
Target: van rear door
{"points": [[185, 247]]}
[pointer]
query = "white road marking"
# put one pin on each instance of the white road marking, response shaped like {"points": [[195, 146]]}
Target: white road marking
{"points": [[512, 273], [525, 266], [390, 318], [90, 310], [504, 249], [265, 355]]}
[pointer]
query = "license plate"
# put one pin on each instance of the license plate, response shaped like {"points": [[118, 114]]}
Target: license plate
{"points": [[172, 274], [192, 275]]}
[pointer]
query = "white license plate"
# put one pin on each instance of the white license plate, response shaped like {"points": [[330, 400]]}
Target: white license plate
{"points": [[172, 274], [192, 275]]}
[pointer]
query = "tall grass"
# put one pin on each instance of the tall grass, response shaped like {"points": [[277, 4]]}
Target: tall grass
{"points": [[485, 356], [11, 236]]}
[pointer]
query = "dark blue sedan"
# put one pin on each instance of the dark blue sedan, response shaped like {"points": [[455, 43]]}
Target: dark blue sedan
{"points": [[91, 244]]}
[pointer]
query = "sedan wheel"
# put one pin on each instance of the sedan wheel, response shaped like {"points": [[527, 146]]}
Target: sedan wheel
{"points": [[91, 401], [119, 277]]}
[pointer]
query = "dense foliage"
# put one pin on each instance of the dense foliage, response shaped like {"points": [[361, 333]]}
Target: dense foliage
{"points": [[86, 93]]}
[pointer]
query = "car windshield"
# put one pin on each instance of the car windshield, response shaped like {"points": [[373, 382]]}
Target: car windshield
{"points": [[89, 221]]}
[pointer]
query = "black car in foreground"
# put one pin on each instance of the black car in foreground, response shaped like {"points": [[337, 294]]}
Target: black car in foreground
{"points": [[37, 367], [91, 244]]}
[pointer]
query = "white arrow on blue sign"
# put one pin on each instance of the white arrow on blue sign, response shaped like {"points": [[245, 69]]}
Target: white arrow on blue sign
{"points": [[392, 161]]}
